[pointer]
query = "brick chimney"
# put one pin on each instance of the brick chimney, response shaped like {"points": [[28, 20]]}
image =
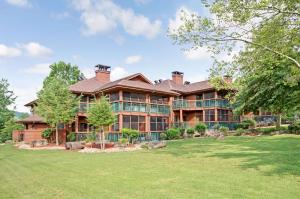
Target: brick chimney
{"points": [[177, 77], [102, 73]]}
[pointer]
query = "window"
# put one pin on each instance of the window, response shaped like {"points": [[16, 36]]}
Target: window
{"points": [[113, 97], [134, 122], [115, 126], [199, 96], [222, 115], [135, 107], [210, 115], [221, 94], [83, 127], [159, 99], [134, 97], [210, 95], [83, 98], [158, 123], [91, 99]]}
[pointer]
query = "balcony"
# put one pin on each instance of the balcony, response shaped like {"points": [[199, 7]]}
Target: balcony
{"points": [[131, 107], [194, 104]]}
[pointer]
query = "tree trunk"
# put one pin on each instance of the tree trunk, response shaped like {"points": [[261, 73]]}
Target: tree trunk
{"points": [[102, 138], [56, 135], [278, 123]]}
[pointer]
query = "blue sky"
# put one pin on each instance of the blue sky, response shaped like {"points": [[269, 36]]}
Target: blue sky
{"points": [[130, 36]]}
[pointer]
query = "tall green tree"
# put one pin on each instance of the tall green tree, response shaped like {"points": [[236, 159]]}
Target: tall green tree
{"points": [[66, 72], [56, 104], [101, 115], [7, 99], [266, 70], [9, 127]]}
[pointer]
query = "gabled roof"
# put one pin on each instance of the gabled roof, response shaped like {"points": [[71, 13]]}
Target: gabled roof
{"points": [[185, 89], [34, 102], [135, 81], [32, 119]]}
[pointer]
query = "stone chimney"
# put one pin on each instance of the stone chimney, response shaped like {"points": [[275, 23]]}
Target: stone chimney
{"points": [[102, 73], [177, 77]]}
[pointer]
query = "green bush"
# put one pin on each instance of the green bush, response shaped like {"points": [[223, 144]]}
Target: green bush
{"points": [[181, 130], [239, 132], [267, 130], [294, 127], [190, 131], [216, 127], [123, 140], [71, 137], [46, 134], [130, 134], [163, 136], [201, 128], [173, 133], [246, 124], [224, 130], [91, 137]]}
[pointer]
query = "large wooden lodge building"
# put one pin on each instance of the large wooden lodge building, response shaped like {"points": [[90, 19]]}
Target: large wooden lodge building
{"points": [[139, 104]]}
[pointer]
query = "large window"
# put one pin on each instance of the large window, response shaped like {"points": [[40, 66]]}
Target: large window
{"points": [[114, 97], [209, 115], [83, 127], [134, 122], [158, 99], [158, 123], [222, 115], [137, 97], [135, 107], [210, 95], [115, 126]]}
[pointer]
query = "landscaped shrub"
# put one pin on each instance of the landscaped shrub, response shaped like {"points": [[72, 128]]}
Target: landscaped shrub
{"points": [[123, 141], [163, 136], [267, 130], [246, 124], [216, 127], [71, 137], [201, 128], [224, 130], [294, 127], [130, 134], [91, 137], [190, 131], [173, 133], [46, 134], [239, 132], [182, 131]]}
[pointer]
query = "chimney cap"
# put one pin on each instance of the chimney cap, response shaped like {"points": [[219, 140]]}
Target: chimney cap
{"points": [[102, 67], [177, 73]]}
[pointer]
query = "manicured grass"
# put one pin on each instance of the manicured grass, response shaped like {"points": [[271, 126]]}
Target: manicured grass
{"points": [[237, 167]]}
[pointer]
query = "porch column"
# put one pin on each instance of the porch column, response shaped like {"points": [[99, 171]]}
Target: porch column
{"points": [[171, 119], [120, 122], [216, 115], [180, 116]]}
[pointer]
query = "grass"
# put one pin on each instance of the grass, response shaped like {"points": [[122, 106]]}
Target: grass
{"points": [[237, 167]]}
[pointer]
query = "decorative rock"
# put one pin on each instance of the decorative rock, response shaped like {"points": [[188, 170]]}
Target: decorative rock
{"points": [[8, 142]]}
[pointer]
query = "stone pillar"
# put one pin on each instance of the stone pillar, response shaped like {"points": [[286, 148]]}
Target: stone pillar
{"points": [[180, 116]]}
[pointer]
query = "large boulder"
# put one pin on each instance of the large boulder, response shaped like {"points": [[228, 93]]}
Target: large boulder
{"points": [[74, 145]]}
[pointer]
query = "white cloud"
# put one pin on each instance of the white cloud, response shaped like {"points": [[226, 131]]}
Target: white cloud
{"points": [[20, 3], [117, 73], [133, 59], [25, 95], [175, 23], [104, 16], [35, 49], [42, 68], [6, 51], [194, 54], [142, 1], [88, 72]]}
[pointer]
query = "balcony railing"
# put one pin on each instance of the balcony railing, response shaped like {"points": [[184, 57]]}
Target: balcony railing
{"points": [[188, 104], [132, 107]]}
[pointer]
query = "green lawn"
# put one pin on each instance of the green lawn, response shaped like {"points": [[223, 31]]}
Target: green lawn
{"points": [[237, 167]]}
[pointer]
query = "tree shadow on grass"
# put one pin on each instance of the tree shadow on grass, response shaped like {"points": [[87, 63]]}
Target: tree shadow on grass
{"points": [[272, 155]]}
